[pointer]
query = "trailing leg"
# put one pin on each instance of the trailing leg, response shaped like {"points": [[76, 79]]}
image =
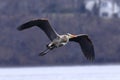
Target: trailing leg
{"points": [[44, 52], [49, 47]]}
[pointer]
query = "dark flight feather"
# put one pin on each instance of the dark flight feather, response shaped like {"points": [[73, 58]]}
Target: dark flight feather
{"points": [[43, 24], [86, 45]]}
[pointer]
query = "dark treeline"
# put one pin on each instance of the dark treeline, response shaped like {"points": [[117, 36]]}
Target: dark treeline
{"points": [[22, 48]]}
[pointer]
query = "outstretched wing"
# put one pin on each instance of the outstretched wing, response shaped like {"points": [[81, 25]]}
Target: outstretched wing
{"points": [[41, 23], [86, 45]]}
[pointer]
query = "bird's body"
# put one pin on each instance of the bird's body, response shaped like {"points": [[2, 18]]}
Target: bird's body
{"points": [[61, 40]]}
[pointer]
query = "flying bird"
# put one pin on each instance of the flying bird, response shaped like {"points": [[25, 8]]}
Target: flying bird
{"points": [[61, 40]]}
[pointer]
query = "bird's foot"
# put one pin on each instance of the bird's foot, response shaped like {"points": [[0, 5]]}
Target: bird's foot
{"points": [[44, 52]]}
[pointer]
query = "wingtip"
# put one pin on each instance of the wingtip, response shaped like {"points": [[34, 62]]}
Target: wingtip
{"points": [[19, 29], [91, 59]]}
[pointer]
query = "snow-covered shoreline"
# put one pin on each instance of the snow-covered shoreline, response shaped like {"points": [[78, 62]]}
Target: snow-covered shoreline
{"points": [[61, 73]]}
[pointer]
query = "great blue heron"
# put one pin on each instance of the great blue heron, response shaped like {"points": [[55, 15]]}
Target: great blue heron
{"points": [[61, 40]]}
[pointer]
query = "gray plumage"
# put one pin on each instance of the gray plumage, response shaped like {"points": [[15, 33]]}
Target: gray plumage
{"points": [[61, 40]]}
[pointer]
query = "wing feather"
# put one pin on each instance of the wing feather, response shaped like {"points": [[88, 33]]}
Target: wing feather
{"points": [[86, 46], [42, 24]]}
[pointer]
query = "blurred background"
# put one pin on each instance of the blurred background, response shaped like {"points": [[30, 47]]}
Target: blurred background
{"points": [[100, 19]]}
